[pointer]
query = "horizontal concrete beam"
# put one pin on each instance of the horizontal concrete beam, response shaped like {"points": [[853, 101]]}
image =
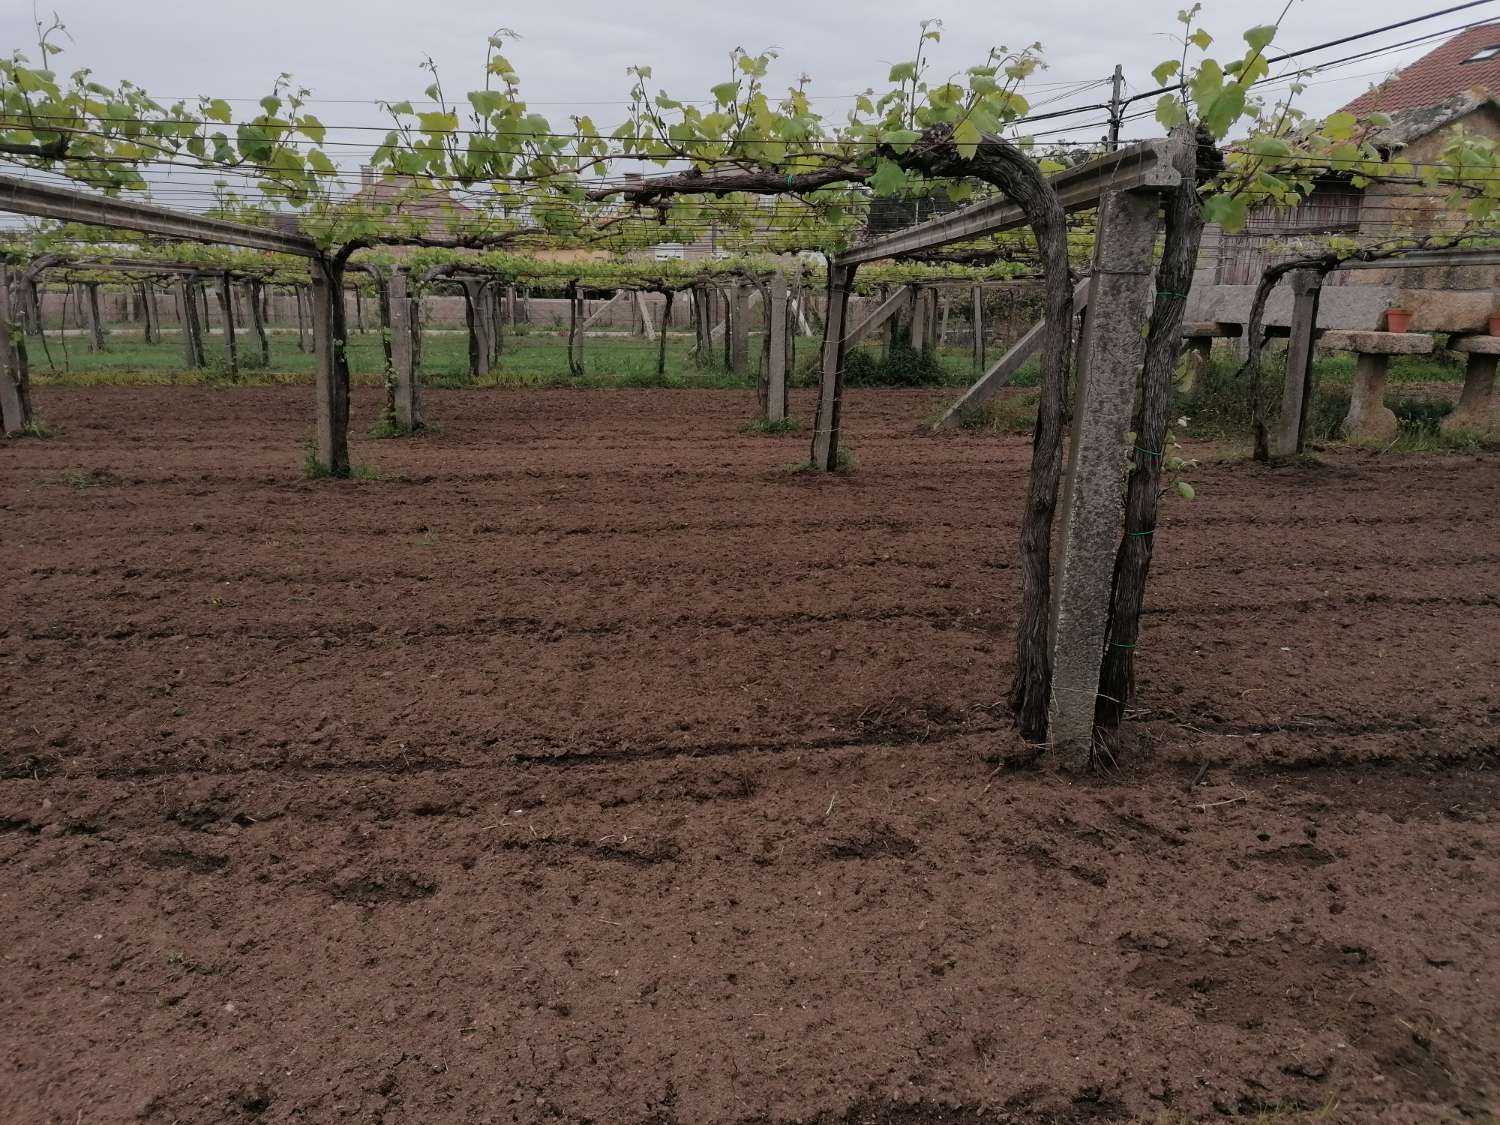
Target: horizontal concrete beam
{"points": [[1145, 165], [1419, 259], [69, 205], [147, 265]]}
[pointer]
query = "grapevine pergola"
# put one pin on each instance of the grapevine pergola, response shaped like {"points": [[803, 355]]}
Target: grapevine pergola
{"points": [[774, 169]]}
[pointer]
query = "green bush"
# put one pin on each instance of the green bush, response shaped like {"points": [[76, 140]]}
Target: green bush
{"points": [[901, 366]]}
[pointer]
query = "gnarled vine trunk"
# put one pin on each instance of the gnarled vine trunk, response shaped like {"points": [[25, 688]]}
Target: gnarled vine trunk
{"points": [[661, 337], [1002, 164], [226, 315], [255, 297], [575, 333]]}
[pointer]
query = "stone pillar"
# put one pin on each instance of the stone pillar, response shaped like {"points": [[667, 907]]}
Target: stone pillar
{"points": [[825, 443], [1369, 418], [1111, 353], [1197, 353], [1476, 412], [1297, 390], [403, 367]]}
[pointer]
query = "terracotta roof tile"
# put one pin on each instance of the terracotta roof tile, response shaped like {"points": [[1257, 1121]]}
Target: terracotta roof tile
{"points": [[1438, 75]]}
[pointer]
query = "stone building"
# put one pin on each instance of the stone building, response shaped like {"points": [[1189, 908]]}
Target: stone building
{"points": [[1447, 92]]}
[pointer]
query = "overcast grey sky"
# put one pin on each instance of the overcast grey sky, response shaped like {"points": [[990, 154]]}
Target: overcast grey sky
{"points": [[572, 56]]}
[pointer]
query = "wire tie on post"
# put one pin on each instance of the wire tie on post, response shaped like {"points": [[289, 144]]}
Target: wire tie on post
{"points": [[1148, 452], [1138, 534], [1117, 644]]}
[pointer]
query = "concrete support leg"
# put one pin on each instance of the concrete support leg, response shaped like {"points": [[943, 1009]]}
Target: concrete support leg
{"points": [[1196, 355], [1477, 411], [403, 365], [825, 443], [1111, 355], [1297, 391], [776, 354], [1369, 419]]}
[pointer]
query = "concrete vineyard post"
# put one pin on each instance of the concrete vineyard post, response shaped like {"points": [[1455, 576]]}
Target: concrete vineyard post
{"points": [[825, 443], [978, 316], [30, 312], [89, 304], [1297, 392], [15, 394], [408, 413], [776, 359], [919, 319], [495, 322], [301, 318], [739, 329], [192, 330], [1111, 354]]}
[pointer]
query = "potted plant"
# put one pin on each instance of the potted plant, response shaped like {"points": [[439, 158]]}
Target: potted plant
{"points": [[1397, 320]]}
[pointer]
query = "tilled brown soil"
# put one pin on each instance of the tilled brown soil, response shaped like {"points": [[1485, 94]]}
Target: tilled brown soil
{"points": [[588, 765]]}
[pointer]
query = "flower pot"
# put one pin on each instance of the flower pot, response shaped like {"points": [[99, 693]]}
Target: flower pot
{"points": [[1397, 320], [1495, 325]]}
